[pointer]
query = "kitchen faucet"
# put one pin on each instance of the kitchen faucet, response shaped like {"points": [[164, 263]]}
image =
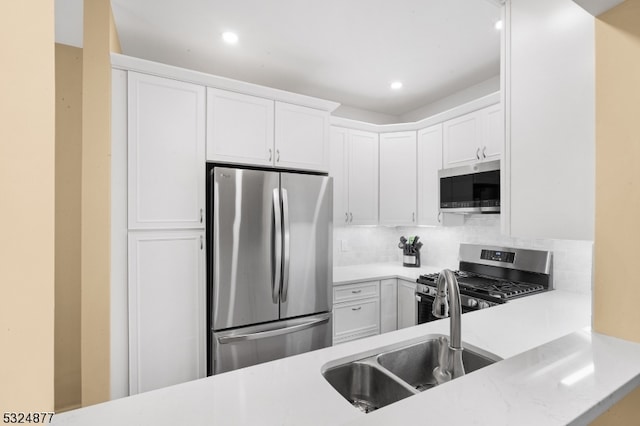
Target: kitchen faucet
{"points": [[450, 358]]}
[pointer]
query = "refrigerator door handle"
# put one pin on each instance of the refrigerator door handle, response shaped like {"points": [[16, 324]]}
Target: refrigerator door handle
{"points": [[287, 244], [277, 246], [272, 333]]}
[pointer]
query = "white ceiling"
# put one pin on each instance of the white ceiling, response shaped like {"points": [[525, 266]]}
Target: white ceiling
{"points": [[342, 50]]}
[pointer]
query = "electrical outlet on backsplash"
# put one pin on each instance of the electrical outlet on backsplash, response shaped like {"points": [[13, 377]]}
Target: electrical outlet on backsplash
{"points": [[572, 260]]}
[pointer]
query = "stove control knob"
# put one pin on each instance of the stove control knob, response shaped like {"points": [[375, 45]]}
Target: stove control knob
{"points": [[483, 305], [472, 303]]}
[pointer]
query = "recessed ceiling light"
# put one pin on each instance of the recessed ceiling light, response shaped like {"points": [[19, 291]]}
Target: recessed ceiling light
{"points": [[499, 25], [396, 85], [229, 37]]}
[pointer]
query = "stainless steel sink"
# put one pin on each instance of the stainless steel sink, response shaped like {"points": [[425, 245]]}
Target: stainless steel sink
{"points": [[414, 364], [366, 386], [375, 379]]}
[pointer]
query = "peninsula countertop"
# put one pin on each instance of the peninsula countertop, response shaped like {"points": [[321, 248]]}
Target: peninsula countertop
{"points": [[555, 371]]}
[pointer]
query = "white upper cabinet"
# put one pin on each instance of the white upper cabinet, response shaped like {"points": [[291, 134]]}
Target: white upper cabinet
{"points": [[429, 162], [461, 140], [363, 177], [239, 128], [493, 132], [473, 137], [166, 153], [338, 170], [301, 138], [354, 168], [398, 178], [551, 119], [243, 129]]}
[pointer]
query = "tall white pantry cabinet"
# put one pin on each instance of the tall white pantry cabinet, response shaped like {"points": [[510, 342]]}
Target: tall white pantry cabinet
{"points": [[166, 211]]}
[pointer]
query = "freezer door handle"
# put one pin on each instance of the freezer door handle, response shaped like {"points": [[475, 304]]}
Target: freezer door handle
{"points": [[277, 246], [287, 244], [272, 333]]}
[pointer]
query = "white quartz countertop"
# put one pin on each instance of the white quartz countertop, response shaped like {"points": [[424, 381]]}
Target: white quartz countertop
{"points": [[556, 372], [379, 271]]}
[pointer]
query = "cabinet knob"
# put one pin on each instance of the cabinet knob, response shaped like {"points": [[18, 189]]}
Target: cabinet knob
{"points": [[478, 154], [346, 217], [356, 309], [201, 216], [439, 213], [350, 217], [270, 152], [413, 217], [201, 242], [356, 291], [278, 155], [484, 152]]}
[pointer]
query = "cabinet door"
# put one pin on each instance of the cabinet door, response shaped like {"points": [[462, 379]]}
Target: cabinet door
{"points": [[388, 305], [398, 178], [407, 315], [239, 128], [338, 170], [429, 162], [493, 132], [166, 162], [363, 178], [166, 308], [461, 144], [357, 319], [301, 138], [551, 120]]}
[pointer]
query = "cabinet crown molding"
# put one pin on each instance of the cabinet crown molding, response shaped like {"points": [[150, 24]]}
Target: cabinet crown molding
{"points": [[129, 63]]}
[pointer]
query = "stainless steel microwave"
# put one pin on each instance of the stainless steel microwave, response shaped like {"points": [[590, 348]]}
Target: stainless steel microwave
{"points": [[474, 188]]}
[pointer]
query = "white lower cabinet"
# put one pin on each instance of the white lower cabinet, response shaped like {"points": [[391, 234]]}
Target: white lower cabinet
{"points": [[388, 305], [407, 315], [356, 311], [166, 308]]}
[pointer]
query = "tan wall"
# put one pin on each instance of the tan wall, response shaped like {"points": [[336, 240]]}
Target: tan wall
{"points": [[27, 157], [616, 251], [96, 205], [68, 188]]}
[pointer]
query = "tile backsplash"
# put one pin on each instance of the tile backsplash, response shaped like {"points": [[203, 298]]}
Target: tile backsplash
{"points": [[572, 260]]}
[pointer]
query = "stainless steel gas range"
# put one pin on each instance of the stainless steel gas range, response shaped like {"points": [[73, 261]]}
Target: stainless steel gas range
{"points": [[489, 276]]}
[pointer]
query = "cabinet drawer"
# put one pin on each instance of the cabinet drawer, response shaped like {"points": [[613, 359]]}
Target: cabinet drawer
{"points": [[344, 293], [355, 319]]}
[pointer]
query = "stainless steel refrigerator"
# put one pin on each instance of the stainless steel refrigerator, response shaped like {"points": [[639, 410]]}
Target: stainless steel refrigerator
{"points": [[269, 264]]}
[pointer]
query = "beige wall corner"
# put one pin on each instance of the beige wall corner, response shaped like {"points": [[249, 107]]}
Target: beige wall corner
{"points": [[27, 157], [96, 190], [114, 39], [618, 179], [617, 186], [68, 191]]}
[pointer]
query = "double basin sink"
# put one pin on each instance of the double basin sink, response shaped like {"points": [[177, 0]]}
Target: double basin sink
{"points": [[371, 381]]}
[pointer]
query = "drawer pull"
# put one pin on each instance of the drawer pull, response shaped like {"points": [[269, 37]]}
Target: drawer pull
{"points": [[356, 309], [356, 291]]}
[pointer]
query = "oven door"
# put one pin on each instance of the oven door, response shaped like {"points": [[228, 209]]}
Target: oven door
{"points": [[424, 308]]}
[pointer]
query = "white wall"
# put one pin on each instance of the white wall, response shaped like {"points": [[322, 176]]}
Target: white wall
{"points": [[353, 113], [572, 260], [469, 94]]}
